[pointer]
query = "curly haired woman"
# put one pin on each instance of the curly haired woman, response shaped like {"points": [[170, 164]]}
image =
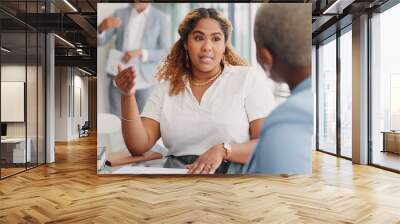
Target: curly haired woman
{"points": [[208, 107]]}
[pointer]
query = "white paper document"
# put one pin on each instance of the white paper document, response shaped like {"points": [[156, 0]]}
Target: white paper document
{"points": [[115, 58], [128, 169]]}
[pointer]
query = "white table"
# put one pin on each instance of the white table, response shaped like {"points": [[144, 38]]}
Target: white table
{"points": [[18, 149], [146, 167], [152, 163]]}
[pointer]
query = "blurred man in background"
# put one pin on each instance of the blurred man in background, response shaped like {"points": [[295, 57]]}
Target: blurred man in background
{"points": [[282, 33], [142, 33]]}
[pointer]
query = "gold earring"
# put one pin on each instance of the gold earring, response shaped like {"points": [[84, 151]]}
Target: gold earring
{"points": [[187, 64]]}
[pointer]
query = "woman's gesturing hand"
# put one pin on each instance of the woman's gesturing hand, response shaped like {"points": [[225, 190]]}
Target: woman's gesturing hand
{"points": [[125, 80], [208, 162]]}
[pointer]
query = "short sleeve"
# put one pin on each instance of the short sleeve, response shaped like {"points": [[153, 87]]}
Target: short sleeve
{"points": [[153, 106], [259, 97], [159, 149]]}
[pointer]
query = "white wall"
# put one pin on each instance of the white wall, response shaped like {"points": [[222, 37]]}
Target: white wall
{"points": [[68, 81], [77, 117], [62, 81], [14, 73]]}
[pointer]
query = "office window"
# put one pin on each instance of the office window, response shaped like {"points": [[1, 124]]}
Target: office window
{"points": [[22, 80], [13, 84], [385, 88], [241, 31], [327, 95], [346, 93]]}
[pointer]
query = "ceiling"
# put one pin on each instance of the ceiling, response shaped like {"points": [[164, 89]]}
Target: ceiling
{"points": [[331, 15], [77, 23], [78, 27]]}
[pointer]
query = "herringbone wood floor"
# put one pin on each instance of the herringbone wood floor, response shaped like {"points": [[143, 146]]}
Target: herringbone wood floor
{"points": [[69, 191]]}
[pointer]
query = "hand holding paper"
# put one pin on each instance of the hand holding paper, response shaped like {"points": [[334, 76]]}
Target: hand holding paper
{"points": [[115, 57], [131, 54]]}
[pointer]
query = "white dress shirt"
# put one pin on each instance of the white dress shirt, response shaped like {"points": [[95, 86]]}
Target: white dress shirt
{"points": [[236, 98], [134, 33]]}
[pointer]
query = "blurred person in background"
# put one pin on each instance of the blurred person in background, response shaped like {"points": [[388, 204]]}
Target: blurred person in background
{"points": [[143, 33], [282, 33]]}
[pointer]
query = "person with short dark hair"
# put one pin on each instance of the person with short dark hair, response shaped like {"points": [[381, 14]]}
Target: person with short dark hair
{"points": [[282, 33]]}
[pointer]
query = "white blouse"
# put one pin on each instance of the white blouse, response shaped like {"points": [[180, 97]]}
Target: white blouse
{"points": [[236, 98]]}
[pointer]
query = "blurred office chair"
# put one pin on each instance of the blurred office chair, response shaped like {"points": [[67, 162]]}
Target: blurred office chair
{"points": [[84, 130]]}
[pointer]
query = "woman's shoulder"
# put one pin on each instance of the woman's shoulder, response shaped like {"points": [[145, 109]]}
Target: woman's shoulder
{"points": [[239, 73], [238, 69]]}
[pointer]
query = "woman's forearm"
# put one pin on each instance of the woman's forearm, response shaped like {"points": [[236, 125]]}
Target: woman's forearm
{"points": [[133, 130], [241, 152]]}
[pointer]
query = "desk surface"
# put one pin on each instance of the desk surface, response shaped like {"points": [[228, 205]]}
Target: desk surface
{"points": [[147, 167], [137, 169], [13, 140]]}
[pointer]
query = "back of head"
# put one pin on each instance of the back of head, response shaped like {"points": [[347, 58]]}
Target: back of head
{"points": [[285, 30]]}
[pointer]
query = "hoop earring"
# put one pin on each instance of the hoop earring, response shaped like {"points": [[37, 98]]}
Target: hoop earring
{"points": [[223, 60], [187, 64]]}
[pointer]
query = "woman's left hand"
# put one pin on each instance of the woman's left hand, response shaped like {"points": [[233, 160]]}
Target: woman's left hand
{"points": [[208, 162]]}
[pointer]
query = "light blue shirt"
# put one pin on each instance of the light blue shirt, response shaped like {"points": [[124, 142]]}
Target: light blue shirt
{"points": [[285, 143]]}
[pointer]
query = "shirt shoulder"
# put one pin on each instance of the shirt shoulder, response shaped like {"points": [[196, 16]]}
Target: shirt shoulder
{"points": [[122, 11], [238, 70], [157, 13], [237, 74], [235, 77], [298, 108], [246, 73]]}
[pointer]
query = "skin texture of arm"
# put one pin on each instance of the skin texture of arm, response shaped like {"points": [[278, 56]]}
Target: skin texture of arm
{"points": [[117, 160], [140, 134]]}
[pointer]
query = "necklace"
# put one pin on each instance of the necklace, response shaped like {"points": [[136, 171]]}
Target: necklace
{"points": [[214, 77]]}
